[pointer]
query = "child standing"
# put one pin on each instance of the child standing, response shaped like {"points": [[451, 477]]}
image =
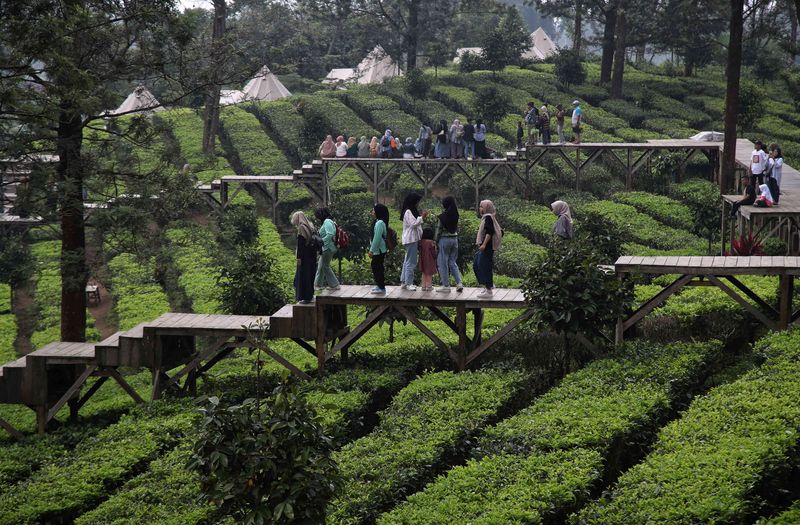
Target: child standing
{"points": [[520, 134], [428, 252]]}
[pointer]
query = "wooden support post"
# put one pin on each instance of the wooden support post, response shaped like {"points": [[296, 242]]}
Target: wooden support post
{"points": [[477, 179], [477, 317], [156, 394], [577, 168], [755, 312], [275, 198], [785, 291], [91, 391], [41, 418], [375, 178], [71, 392], [629, 172], [223, 195], [321, 327], [463, 340]]}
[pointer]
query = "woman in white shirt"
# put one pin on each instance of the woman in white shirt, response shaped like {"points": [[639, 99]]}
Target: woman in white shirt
{"points": [[412, 233], [341, 147]]}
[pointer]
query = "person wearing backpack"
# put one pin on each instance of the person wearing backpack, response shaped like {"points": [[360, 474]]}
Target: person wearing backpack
{"points": [[447, 234], [469, 139], [325, 275], [456, 137], [378, 248], [412, 233], [386, 145], [532, 120], [306, 258]]}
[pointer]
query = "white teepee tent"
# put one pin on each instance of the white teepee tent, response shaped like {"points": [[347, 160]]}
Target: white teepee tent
{"points": [[265, 86], [230, 96], [139, 101], [542, 46], [341, 74], [376, 67]]}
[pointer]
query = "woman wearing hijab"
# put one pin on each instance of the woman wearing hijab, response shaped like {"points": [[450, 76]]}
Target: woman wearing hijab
{"points": [[480, 139], [363, 148], [775, 169], [374, 148], [306, 259], [764, 199], [378, 247], [386, 144], [488, 240], [447, 233], [325, 276], [442, 148], [456, 137], [563, 225], [328, 148], [408, 149], [341, 147], [412, 233], [352, 147]]}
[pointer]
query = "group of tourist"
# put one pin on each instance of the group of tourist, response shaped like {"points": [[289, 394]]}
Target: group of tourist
{"points": [[762, 185], [456, 140], [431, 250]]}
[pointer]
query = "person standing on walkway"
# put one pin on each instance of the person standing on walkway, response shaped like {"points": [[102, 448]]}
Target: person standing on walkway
{"points": [[520, 135], [776, 170], [488, 240], [469, 139], [374, 148], [577, 119], [325, 276], [544, 124], [447, 233], [425, 137], [427, 259], [758, 163], [563, 226], [480, 139], [560, 123], [408, 149], [456, 138], [306, 259], [412, 233], [532, 121], [378, 248], [441, 150]]}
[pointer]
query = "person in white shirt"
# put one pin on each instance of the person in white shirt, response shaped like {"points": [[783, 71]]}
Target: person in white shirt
{"points": [[341, 147], [758, 163], [577, 118], [412, 233]]}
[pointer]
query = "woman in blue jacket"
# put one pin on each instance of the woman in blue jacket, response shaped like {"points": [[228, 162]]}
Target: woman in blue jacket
{"points": [[325, 275]]}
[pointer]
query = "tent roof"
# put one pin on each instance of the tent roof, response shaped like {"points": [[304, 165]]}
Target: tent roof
{"points": [[709, 136], [139, 101], [376, 67], [461, 51], [542, 46], [230, 96], [265, 86], [345, 74]]}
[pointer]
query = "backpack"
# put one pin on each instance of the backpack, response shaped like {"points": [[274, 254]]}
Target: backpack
{"points": [[341, 239], [532, 116], [391, 239], [316, 243], [386, 141]]}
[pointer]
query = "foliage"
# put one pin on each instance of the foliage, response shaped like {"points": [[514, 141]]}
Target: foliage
{"points": [[239, 225], [715, 463], [469, 62], [751, 105], [254, 150], [265, 462], [192, 249], [138, 296], [569, 68], [747, 245], [569, 293], [417, 84], [248, 284], [505, 43], [703, 198], [662, 208], [15, 267], [424, 425], [491, 104]]}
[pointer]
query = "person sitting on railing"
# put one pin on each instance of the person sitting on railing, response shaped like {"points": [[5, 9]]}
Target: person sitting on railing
{"points": [[374, 148], [328, 148], [363, 148], [442, 149], [749, 192], [341, 147], [408, 149], [386, 145], [352, 148]]}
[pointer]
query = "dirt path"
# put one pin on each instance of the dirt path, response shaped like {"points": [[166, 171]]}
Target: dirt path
{"points": [[101, 312], [25, 310]]}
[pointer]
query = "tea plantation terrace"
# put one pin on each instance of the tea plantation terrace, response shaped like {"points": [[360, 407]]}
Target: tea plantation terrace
{"points": [[50, 378]]}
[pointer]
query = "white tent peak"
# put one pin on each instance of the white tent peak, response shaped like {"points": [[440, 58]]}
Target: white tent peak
{"points": [[140, 100], [542, 46], [377, 67], [265, 86]]}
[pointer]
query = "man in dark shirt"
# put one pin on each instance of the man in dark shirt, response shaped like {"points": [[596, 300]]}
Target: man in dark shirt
{"points": [[469, 139], [749, 196]]}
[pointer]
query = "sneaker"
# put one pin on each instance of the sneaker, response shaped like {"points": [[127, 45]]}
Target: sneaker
{"points": [[378, 291], [319, 288], [443, 289], [486, 293], [411, 288], [337, 287], [460, 287]]}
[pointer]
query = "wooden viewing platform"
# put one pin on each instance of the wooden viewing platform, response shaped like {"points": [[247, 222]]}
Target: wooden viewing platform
{"points": [[710, 271], [405, 302]]}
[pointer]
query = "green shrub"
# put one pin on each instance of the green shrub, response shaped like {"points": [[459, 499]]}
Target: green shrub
{"points": [[138, 297], [248, 283], [633, 115], [381, 112], [661, 208], [341, 120], [516, 255], [258, 154], [714, 464], [193, 250], [285, 123]]}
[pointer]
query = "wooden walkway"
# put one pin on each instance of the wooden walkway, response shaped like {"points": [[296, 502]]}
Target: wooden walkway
{"points": [[711, 271], [406, 302]]}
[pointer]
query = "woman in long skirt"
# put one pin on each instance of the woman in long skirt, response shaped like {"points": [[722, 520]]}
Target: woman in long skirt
{"points": [[306, 259], [488, 240]]}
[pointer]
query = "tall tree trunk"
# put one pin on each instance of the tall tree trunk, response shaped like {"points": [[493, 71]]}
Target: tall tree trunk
{"points": [[74, 271], [733, 71], [576, 40], [619, 52], [211, 119], [688, 66], [640, 52], [607, 61], [412, 40], [793, 33]]}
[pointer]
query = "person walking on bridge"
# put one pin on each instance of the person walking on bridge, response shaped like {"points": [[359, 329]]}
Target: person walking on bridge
{"points": [[325, 275], [577, 120], [378, 248]]}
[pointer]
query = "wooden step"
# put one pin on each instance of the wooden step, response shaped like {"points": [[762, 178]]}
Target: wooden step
{"points": [[304, 321], [280, 323]]}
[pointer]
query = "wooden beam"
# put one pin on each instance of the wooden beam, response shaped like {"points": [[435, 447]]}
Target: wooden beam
{"points": [[441, 315], [497, 336], [405, 312], [358, 331], [752, 295], [292, 368], [71, 391], [16, 434], [92, 389], [304, 345], [655, 302], [785, 292], [125, 386], [755, 312], [463, 340]]}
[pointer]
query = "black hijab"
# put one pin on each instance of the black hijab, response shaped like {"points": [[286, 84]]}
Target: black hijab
{"points": [[449, 217], [410, 203], [382, 213], [322, 213]]}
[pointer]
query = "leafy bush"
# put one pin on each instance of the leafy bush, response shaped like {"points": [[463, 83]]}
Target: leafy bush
{"points": [[340, 119], [417, 84], [751, 105], [568, 67], [192, 249], [661, 208], [248, 285], [516, 255], [138, 297], [284, 122], [491, 104], [425, 424], [471, 62], [714, 464], [380, 111], [633, 115], [703, 198]]}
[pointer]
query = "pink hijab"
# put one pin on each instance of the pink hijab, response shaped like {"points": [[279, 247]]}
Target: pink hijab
{"points": [[328, 148]]}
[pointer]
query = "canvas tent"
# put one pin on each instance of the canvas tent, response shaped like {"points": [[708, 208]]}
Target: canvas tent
{"points": [[461, 51], [709, 136], [542, 46], [139, 101], [230, 96], [376, 67], [265, 86], [346, 74]]}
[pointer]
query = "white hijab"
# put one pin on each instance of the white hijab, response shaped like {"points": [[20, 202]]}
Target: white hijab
{"points": [[764, 190], [497, 237]]}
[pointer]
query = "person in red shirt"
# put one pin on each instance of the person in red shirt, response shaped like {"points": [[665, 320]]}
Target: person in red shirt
{"points": [[428, 252]]}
